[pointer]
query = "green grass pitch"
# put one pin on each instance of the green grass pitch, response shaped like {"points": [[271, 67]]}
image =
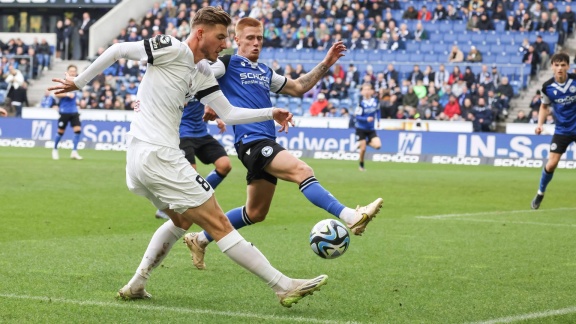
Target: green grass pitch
{"points": [[452, 244]]}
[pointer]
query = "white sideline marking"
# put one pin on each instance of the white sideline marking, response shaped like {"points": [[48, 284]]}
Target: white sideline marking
{"points": [[499, 212], [131, 305], [517, 318], [512, 222]]}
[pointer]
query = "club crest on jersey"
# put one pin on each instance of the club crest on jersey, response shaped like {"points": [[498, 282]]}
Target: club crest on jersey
{"points": [[555, 92], [161, 41], [572, 89], [267, 151]]}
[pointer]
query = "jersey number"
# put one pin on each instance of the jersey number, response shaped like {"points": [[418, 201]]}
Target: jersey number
{"points": [[205, 185]]}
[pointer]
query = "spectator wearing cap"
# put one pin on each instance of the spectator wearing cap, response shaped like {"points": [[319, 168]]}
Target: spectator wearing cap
{"points": [[474, 56], [318, 105]]}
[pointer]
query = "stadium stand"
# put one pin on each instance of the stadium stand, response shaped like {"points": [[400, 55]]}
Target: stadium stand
{"points": [[378, 34]]}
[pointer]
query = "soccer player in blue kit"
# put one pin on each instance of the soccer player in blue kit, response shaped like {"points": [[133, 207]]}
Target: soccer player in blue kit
{"points": [[195, 141], [247, 83], [68, 114], [560, 93], [367, 114]]}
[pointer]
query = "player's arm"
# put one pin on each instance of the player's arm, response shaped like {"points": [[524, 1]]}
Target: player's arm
{"points": [[234, 115], [359, 113], [542, 113], [300, 86], [64, 95], [128, 50]]}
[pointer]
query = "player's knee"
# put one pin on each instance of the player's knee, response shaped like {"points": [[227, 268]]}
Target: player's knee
{"points": [[224, 168], [257, 215], [305, 170]]}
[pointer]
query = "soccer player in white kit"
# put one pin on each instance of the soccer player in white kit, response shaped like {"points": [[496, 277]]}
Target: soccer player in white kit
{"points": [[158, 170]]}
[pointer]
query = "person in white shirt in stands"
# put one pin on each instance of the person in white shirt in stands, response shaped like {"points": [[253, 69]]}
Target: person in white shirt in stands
{"points": [[158, 170]]}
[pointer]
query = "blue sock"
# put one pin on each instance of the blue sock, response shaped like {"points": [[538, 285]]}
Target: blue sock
{"points": [[237, 217], [214, 178], [57, 140], [545, 179], [320, 197], [76, 140]]}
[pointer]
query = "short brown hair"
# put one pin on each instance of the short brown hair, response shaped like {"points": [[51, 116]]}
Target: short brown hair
{"points": [[560, 57], [72, 66], [211, 16], [247, 22]]}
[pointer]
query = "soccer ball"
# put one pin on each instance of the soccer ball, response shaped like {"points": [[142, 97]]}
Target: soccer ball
{"points": [[329, 239]]}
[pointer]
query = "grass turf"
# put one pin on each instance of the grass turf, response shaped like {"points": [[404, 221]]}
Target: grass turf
{"points": [[72, 234]]}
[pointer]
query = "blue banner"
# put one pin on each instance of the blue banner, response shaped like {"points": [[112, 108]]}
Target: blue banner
{"points": [[491, 145]]}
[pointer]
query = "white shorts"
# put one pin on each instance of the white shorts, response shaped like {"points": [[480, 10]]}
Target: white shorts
{"points": [[164, 176]]}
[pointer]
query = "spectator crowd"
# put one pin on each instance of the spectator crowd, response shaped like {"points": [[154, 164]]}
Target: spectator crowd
{"points": [[428, 93]]}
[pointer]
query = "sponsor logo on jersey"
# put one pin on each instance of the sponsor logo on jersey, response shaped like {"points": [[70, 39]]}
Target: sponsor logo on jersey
{"points": [[565, 100], [267, 151], [161, 41], [249, 77]]}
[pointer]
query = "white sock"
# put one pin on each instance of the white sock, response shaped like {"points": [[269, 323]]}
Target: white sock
{"points": [[202, 239], [249, 257], [348, 215], [158, 248], [540, 192]]}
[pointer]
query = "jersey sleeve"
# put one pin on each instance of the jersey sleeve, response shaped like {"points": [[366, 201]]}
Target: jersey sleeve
{"points": [[545, 99], [218, 68], [278, 82], [161, 49], [207, 86]]}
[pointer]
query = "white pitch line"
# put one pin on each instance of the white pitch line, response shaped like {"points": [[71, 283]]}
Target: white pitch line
{"points": [[499, 212], [512, 222], [517, 318], [128, 305]]}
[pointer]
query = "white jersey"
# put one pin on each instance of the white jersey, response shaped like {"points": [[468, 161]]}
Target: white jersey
{"points": [[171, 79]]}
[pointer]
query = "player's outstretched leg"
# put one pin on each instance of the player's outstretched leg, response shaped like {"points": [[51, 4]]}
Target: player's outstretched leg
{"points": [[158, 248], [364, 215], [303, 289], [288, 290]]}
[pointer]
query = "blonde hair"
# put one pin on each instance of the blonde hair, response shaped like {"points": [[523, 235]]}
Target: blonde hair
{"points": [[247, 22], [211, 16]]}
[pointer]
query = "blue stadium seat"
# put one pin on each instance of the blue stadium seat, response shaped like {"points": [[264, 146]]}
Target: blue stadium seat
{"points": [[458, 27], [292, 55], [267, 53], [463, 38], [361, 55], [412, 46], [477, 38], [426, 47], [295, 100], [318, 55], [506, 38], [282, 102], [502, 59], [334, 101], [346, 103], [450, 38], [416, 58], [445, 27]]}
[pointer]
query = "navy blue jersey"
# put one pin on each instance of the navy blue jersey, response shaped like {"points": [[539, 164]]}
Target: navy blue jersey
{"points": [[192, 124], [562, 98], [68, 105], [248, 84], [367, 108]]}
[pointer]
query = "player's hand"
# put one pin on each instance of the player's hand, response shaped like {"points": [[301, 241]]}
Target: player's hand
{"points": [[221, 125], [3, 112], [538, 130], [66, 85], [284, 118], [209, 114], [334, 53], [370, 119]]}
